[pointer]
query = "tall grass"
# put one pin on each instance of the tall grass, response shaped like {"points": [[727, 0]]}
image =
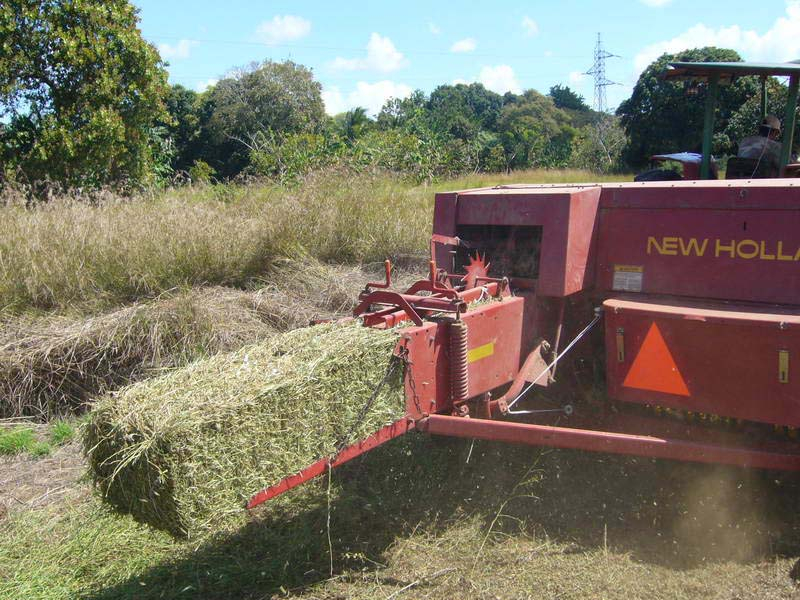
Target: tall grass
{"points": [[71, 253]]}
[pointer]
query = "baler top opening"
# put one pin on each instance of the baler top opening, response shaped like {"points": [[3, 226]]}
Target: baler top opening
{"points": [[715, 74]]}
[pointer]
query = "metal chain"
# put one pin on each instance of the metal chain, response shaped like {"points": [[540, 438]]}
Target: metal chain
{"points": [[343, 441], [411, 383]]}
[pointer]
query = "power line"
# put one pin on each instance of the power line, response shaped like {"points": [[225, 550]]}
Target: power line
{"points": [[598, 70], [353, 49]]}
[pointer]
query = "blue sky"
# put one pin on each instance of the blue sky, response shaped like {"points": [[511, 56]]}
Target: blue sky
{"points": [[364, 52]]}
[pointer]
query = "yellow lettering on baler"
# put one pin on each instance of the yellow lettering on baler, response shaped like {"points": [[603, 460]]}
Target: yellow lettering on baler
{"points": [[720, 247], [652, 244], [781, 255], [669, 245], [693, 246], [746, 249]]}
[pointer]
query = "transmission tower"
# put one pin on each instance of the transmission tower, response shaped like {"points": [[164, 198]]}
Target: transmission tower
{"points": [[598, 70]]}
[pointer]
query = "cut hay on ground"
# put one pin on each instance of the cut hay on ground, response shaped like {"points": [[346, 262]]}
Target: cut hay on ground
{"points": [[52, 365], [184, 451]]}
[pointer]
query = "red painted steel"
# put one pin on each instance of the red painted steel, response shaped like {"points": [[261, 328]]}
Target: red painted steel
{"points": [[316, 469], [723, 241], [726, 354], [706, 272], [603, 441], [567, 216], [393, 316], [495, 326]]}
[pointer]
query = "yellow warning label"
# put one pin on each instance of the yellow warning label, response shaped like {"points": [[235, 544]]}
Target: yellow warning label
{"points": [[629, 268], [627, 278], [480, 352]]}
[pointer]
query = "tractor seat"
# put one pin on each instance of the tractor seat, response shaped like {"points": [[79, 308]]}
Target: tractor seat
{"points": [[749, 168]]}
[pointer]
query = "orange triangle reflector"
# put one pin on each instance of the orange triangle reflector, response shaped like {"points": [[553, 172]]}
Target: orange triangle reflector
{"points": [[654, 368]]}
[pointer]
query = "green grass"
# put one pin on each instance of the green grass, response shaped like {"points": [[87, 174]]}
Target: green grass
{"points": [[17, 440], [72, 254], [513, 522], [61, 432]]}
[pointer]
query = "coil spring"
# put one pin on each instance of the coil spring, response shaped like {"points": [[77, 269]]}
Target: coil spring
{"points": [[459, 383]]}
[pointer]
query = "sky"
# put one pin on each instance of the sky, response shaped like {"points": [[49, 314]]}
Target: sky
{"points": [[366, 52]]}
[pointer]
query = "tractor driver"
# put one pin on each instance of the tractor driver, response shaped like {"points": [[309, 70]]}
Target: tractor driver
{"points": [[763, 147]]}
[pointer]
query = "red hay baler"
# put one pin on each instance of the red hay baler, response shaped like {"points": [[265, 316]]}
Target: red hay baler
{"points": [[657, 319]]}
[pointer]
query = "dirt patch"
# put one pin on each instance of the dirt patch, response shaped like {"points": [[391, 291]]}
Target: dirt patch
{"points": [[28, 482]]}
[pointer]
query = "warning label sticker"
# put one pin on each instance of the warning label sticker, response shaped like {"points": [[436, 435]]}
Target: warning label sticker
{"points": [[627, 278]]}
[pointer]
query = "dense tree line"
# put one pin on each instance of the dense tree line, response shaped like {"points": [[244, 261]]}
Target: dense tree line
{"points": [[269, 120], [84, 101]]}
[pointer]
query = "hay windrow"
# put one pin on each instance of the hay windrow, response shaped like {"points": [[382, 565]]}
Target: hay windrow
{"points": [[51, 365], [184, 451]]}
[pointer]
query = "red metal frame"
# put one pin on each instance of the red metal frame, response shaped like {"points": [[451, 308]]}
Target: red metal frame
{"points": [[605, 441], [347, 454]]}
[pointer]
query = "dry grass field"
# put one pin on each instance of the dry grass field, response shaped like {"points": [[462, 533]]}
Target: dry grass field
{"points": [[95, 296]]}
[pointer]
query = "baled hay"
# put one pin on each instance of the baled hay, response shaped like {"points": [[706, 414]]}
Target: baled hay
{"points": [[184, 451]]}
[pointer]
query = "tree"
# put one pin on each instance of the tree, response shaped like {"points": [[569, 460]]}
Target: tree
{"points": [[462, 110], [534, 132], [564, 97], [353, 123], [81, 91], [271, 98], [667, 116], [402, 112], [184, 125], [598, 147]]}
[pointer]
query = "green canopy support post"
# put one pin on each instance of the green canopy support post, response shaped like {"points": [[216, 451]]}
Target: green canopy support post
{"points": [[763, 97], [708, 124], [789, 120]]}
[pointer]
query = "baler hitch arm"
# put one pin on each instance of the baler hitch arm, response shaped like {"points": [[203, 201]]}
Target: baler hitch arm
{"points": [[346, 454]]}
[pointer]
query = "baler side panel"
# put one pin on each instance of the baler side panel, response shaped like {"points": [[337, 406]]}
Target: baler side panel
{"points": [[720, 360], [740, 254], [494, 337], [582, 240]]}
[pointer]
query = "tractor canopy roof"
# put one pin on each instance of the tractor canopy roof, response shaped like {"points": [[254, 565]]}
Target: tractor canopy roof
{"points": [[729, 70]]}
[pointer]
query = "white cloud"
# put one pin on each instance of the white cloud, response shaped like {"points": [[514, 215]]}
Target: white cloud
{"points": [[371, 96], [282, 29], [465, 45], [333, 100], [530, 26], [500, 79], [548, 53], [576, 77], [434, 28], [656, 3], [779, 43], [204, 85], [381, 56], [180, 50]]}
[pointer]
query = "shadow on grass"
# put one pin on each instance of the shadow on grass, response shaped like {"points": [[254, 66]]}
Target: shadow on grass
{"points": [[669, 514]]}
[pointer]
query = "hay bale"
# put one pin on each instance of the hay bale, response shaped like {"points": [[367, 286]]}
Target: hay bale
{"points": [[184, 451]]}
